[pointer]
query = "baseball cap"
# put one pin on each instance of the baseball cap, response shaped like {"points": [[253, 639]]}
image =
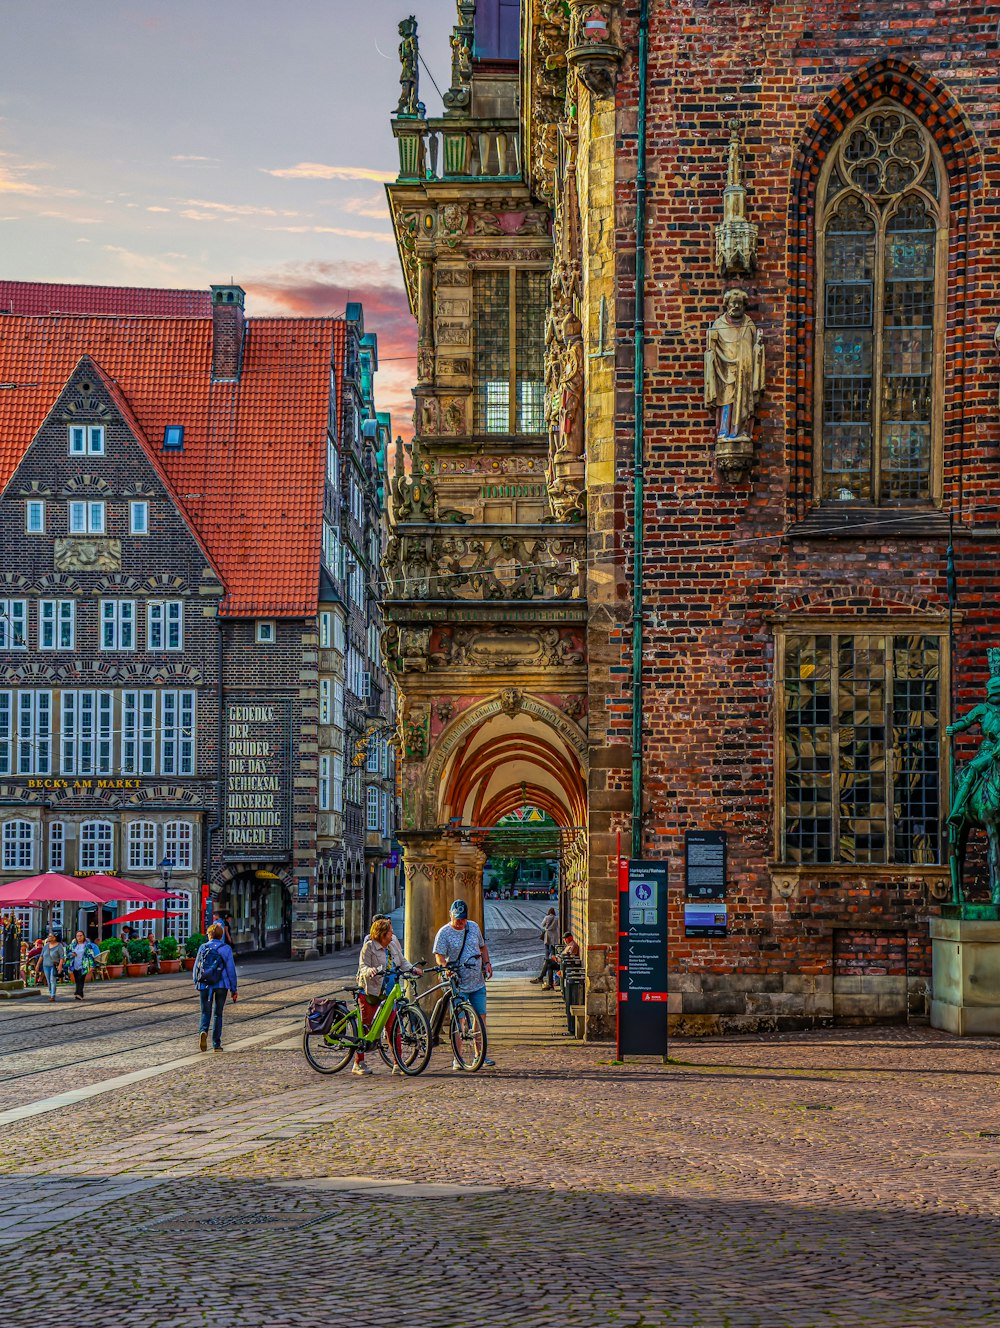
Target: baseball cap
{"points": [[459, 909]]}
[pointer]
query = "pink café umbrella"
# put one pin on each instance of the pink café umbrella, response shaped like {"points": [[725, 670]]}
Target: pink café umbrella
{"points": [[108, 888], [49, 888], [143, 915]]}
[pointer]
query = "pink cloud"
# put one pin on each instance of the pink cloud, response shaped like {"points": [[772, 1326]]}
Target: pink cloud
{"points": [[323, 289]]}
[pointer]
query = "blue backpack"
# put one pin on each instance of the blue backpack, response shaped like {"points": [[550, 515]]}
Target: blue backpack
{"points": [[210, 966]]}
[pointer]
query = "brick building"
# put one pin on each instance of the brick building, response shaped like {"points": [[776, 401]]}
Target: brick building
{"points": [[781, 585], [189, 616]]}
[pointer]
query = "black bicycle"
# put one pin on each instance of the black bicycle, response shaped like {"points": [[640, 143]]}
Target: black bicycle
{"points": [[467, 1031]]}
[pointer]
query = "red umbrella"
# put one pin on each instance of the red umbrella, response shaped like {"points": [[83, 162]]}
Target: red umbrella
{"points": [[107, 888], [143, 915], [51, 887]]}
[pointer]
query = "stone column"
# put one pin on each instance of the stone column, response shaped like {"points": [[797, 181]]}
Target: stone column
{"points": [[425, 321], [430, 888], [469, 863]]}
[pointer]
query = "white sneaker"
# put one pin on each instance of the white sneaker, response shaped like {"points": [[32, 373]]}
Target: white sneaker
{"points": [[457, 1065], [360, 1069]]}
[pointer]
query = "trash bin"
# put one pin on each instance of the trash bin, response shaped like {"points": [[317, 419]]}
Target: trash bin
{"points": [[574, 991]]}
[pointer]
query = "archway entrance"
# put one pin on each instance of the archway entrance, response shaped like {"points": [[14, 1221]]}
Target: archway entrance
{"points": [[260, 905], [501, 755]]}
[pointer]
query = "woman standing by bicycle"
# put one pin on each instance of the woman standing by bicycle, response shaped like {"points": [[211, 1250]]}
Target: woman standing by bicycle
{"points": [[380, 951]]}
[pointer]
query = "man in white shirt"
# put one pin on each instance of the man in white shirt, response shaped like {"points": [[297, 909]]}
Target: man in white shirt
{"points": [[461, 946]]}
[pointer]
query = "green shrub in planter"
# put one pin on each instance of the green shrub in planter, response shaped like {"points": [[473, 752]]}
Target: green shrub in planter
{"points": [[139, 951], [169, 947], [194, 943], [115, 950]]}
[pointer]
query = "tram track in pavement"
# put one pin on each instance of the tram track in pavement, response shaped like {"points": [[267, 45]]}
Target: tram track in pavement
{"points": [[235, 1021]]}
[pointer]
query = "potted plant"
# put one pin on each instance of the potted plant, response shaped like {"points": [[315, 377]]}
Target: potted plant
{"points": [[191, 947], [139, 954], [169, 962], [115, 951]]}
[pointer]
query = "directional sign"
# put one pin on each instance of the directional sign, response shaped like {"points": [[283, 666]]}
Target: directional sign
{"points": [[642, 959]]}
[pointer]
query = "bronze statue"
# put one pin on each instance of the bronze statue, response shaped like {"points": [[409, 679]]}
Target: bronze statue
{"points": [[976, 801], [409, 76]]}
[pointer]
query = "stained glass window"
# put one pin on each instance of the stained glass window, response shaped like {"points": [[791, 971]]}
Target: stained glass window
{"points": [[510, 369], [861, 739], [877, 323]]}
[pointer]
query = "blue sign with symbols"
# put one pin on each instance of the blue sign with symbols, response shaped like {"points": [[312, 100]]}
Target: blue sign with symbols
{"points": [[642, 960]]}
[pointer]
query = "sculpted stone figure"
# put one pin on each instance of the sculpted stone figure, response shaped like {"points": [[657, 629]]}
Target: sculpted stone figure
{"points": [[977, 798], [734, 381], [409, 75]]}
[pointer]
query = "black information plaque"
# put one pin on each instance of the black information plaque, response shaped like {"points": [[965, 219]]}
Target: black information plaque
{"points": [[705, 864], [642, 960]]}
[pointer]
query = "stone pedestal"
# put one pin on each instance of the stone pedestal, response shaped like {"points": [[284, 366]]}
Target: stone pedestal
{"points": [[966, 982]]}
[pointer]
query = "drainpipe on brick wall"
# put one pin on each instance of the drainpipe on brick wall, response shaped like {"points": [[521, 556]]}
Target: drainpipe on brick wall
{"points": [[212, 830], [639, 440]]}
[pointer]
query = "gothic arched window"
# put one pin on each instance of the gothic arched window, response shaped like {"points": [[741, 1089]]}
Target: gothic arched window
{"points": [[882, 248]]}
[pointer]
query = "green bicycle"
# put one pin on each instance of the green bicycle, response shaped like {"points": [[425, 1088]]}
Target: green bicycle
{"points": [[335, 1032]]}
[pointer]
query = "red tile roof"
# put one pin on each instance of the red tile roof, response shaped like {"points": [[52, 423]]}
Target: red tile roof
{"points": [[250, 477], [45, 297]]}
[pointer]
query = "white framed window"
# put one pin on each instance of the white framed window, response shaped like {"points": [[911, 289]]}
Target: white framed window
{"points": [[266, 632], [366, 685], [337, 792], [87, 733], [138, 733], [56, 624], [13, 624], [34, 516], [97, 846], [372, 807], [324, 783], [86, 440], [117, 624], [165, 624], [57, 846], [18, 846], [177, 724], [332, 464], [324, 700], [138, 517], [25, 733], [339, 641], [179, 926], [325, 629], [178, 844], [383, 813], [371, 763], [87, 517], [141, 845], [338, 704]]}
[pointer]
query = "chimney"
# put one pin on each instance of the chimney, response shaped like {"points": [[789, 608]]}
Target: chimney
{"points": [[228, 325]]}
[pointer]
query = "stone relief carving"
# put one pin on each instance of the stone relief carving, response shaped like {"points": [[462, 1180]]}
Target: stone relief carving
{"points": [[454, 222], [452, 276], [734, 382], [73, 554], [505, 647], [453, 334], [499, 567], [457, 100], [509, 256]]}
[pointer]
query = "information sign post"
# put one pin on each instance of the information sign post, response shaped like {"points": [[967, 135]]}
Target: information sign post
{"points": [[642, 959]]}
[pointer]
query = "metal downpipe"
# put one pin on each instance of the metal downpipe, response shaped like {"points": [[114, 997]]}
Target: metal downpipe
{"points": [[639, 438]]}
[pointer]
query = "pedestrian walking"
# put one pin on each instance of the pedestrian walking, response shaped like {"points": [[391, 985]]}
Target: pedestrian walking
{"points": [[51, 962], [462, 947], [380, 951], [215, 978], [82, 954]]}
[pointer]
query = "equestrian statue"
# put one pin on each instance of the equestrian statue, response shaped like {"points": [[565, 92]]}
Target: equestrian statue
{"points": [[976, 800]]}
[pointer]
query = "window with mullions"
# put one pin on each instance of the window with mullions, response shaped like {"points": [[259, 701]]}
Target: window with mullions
{"points": [[861, 742], [509, 334], [881, 243]]}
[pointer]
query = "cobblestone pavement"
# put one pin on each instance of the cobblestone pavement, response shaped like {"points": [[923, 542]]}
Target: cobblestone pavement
{"points": [[835, 1178]]}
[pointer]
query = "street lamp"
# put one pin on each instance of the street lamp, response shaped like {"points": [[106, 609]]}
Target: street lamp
{"points": [[166, 867]]}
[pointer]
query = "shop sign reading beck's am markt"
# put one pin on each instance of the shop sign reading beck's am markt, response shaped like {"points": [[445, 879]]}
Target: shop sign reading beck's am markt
{"points": [[258, 778]]}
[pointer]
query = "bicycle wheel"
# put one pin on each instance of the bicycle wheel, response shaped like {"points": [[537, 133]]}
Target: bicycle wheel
{"points": [[411, 1039], [468, 1037], [329, 1052]]}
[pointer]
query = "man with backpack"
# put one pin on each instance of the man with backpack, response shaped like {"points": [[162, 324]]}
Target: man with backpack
{"points": [[215, 977]]}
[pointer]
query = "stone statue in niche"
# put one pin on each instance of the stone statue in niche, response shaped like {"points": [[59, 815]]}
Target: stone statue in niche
{"points": [[734, 382], [409, 74]]}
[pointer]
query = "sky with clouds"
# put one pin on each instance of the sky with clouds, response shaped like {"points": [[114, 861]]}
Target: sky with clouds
{"points": [[192, 141]]}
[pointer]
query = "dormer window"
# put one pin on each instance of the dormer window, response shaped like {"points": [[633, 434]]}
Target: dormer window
{"points": [[86, 440], [173, 438]]}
